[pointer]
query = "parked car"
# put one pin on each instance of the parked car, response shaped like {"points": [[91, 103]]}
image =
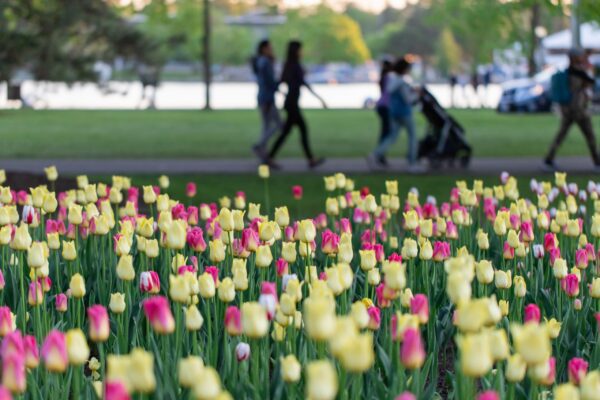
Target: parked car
{"points": [[527, 94]]}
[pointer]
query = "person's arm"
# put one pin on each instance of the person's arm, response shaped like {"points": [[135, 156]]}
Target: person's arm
{"points": [[310, 89]]}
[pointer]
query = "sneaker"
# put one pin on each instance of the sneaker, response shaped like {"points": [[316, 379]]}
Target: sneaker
{"points": [[550, 166], [315, 162], [272, 164], [382, 161]]}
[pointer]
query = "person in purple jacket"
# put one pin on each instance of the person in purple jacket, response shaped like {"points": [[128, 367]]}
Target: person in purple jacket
{"points": [[383, 104]]}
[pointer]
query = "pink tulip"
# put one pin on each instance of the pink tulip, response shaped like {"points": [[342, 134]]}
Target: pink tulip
{"points": [[190, 189], [179, 212], [115, 390], [508, 252], [150, 282], [14, 376], [35, 295], [412, 352], [233, 321], [345, 225], [282, 267], [554, 255], [60, 302], [214, 272], [381, 300], [32, 354], [6, 322], [550, 241], [419, 306], [527, 232], [182, 270], [581, 258], [379, 252], [577, 368], [441, 251], [405, 396], [12, 344], [374, 317], [99, 326], [532, 313], [250, 239], [570, 284], [5, 394], [297, 192], [488, 395], [192, 213], [329, 242], [451, 230], [589, 248], [195, 239], [54, 352], [395, 257], [159, 314], [549, 380]]}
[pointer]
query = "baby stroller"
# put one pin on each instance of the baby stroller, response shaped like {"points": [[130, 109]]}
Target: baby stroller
{"points": [[445, 137]]}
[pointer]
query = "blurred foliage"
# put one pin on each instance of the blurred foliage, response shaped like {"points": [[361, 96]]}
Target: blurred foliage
{"points": [[327, 36], [61, 40]]}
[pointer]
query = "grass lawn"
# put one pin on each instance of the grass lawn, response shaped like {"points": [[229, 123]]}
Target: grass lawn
{"points": [[212, 187], [191, 134]]}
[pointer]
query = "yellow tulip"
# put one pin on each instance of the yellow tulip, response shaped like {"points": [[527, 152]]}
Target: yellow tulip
{"points": [[226, 290], [290, 369], [288, 252], [141, 371], [475, 354], [77, 347], [193, 318], [189, 370], [21, 240], [515, 368], [217, 250], [254, 320], [207, 286], [319, 317], [117, 303], [264, 258], [77, 286], [532, 342], [208, 385], [321, 380]]}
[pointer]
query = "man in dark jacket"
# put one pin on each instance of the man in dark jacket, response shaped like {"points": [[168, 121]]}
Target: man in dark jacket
{"points": [[576, 110]]}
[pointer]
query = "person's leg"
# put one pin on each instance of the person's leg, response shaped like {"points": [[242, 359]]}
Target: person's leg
{"points": [[565, 124], [384, 119], [585, 124], [271, 124], [390, 138], [409, 123], [285, 131], [304, 136]]}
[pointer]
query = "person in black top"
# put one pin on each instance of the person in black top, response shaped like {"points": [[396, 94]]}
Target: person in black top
{"points": [[293, 77]]}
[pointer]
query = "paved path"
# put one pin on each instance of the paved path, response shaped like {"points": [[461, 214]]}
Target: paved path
{"points": [[481, 166]]}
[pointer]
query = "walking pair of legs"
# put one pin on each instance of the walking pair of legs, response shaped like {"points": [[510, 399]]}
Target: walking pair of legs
{"points": [[271, 124], [294, 118], [386, 141], [584, 122]]}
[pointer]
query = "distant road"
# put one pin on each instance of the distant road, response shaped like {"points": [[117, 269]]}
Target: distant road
{"points": [[190, 95]]}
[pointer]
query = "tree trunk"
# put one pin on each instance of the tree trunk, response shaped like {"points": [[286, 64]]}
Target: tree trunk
{"points": [[206, 56], [535, 21]]}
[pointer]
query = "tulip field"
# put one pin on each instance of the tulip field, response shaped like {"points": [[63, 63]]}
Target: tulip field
{"points": [[116, 291]]}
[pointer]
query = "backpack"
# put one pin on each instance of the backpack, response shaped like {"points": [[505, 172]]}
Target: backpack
{"points": [[560, 91], [398, 107]]}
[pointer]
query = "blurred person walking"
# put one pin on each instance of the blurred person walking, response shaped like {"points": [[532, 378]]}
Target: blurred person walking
{"points": [[570, 89], [402, 98], [293, 77], [263, 66], [383, 104]]}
